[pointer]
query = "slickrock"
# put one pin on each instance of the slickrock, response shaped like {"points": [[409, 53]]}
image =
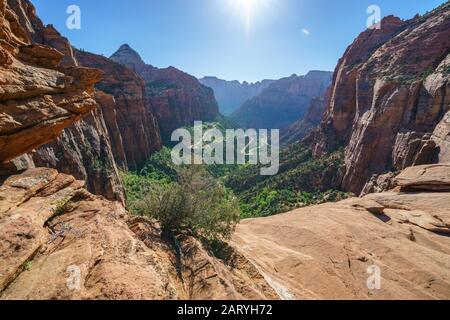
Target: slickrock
{"points": [[426, 177], [38, 97], [389, 98], [330, 251], [177, 99]]}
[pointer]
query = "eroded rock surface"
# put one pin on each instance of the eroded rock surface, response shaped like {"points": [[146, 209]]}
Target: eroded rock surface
{"points": [[52, 231], [38, 96], [325, 252], [389, 98]]}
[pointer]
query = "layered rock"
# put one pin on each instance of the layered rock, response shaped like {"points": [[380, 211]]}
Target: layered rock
{"points": [[232, 94], [177, 99], [122, 132], [283, 102], [38, 96], [129, 116], [389, 93]]}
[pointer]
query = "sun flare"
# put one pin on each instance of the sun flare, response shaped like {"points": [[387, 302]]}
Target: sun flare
{"points": [[248, 10]]}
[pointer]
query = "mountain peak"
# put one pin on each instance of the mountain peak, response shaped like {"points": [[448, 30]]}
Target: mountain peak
{"points": [[129, 57]]}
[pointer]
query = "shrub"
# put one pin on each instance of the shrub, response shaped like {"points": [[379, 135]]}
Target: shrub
{"points": [[195, 205]]}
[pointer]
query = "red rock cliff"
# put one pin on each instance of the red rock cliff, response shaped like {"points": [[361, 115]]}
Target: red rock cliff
{"points": [[177, 98], [390, 91], [121, 132], [38, 96]]}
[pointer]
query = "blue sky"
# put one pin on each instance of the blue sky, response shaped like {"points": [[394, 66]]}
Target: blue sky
{"points": [[226, 38]]}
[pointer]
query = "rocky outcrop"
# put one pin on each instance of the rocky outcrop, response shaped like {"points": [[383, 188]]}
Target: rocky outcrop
{"points": [[232, 94], [121, 132], [390, 91], [38, 96], [58, 241], [283, 102], [427, 177], [331, 251], [177, 99]]}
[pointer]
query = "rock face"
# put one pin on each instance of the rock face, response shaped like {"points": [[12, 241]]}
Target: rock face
{"points": [[38, 96], [326, 251], [390, 91], [121, 132], [129, 116], [232, 94], [305, 125], [177, 99], [283, 102]]}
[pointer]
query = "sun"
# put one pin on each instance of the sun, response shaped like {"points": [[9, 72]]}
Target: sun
{"points": [[248, 10]]}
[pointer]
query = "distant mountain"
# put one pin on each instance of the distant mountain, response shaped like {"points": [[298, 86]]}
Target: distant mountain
{"points": [[232, 94], [177, 98], [283, 102]]}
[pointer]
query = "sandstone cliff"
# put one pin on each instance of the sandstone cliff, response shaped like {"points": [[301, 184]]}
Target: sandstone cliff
{"points": [[57, 241], [177, 99], [283, 102], [122, 132], [39, 97], [390, 91]]}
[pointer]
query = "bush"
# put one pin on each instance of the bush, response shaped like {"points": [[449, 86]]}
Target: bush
{"points": [[195, 205]]}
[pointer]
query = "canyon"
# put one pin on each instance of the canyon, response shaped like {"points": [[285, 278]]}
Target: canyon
{"points": [[70, 120], [233, 94], [283, 102]]}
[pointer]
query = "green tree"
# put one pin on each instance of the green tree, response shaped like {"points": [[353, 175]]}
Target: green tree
{"points": [[195, 205]]}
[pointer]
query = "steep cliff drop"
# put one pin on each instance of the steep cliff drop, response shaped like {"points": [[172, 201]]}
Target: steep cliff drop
{"points": [[52, 230], [58, 241], [390, 91]]}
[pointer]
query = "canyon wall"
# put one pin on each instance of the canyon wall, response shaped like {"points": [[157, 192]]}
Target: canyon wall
{"points": [[389, 93], [177, 99], [121, 133]]}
